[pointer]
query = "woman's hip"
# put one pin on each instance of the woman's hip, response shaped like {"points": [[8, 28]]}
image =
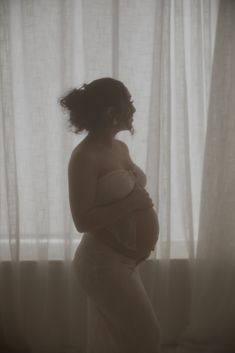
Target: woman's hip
{"points": [[92, 253]]}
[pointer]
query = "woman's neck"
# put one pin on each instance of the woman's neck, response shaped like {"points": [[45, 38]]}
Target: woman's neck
{"points": [[104, 138]]}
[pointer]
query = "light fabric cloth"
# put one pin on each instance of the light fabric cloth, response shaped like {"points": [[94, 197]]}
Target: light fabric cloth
{"points": [[211, 325], [121, 318], [114, 186]]}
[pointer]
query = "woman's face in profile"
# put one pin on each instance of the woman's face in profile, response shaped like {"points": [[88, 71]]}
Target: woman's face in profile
{"points": [[126, 118]]}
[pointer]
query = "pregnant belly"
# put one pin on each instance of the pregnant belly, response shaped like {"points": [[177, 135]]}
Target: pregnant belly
{"points": [[147, 230]]}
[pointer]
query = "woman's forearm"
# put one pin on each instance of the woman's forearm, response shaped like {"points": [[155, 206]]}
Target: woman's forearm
{"points": [[107, 238]]}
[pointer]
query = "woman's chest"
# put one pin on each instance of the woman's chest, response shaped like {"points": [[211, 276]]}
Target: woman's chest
{"points": [[108, 161], [115, 158]]}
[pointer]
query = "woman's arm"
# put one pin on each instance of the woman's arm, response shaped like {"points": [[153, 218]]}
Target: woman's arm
{"points": [[107, 237], [100, 217]]}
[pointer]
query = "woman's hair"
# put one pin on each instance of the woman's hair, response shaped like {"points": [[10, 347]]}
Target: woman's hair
{"points": [[87, 103]]}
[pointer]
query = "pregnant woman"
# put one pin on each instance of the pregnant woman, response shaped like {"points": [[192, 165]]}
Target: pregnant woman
{"points": [[112, 209]]}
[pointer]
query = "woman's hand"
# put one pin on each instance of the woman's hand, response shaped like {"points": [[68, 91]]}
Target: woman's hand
{"points": [[140, 198], [107, 238]]}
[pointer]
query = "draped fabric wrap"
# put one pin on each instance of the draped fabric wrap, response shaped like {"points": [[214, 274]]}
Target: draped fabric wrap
{"points": [[113, 187]]}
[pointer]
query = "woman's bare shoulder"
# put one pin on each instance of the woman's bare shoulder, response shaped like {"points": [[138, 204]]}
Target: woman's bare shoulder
{"points": [[81, 154], [123, 149]]}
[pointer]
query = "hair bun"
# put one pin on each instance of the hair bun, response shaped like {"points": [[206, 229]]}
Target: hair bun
{"points": [[84, 86], [74, 99]]}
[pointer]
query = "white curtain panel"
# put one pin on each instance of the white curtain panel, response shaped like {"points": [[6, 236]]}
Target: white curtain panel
{"points": [[163, 51], [212, 320]]}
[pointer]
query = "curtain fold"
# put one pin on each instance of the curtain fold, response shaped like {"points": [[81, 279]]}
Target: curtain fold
{"points": [[177, 122], [163, 51], [212, 319]]}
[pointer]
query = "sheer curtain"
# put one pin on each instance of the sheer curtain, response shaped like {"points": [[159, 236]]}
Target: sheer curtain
{"points": [[163, 51], [212, 320]]}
